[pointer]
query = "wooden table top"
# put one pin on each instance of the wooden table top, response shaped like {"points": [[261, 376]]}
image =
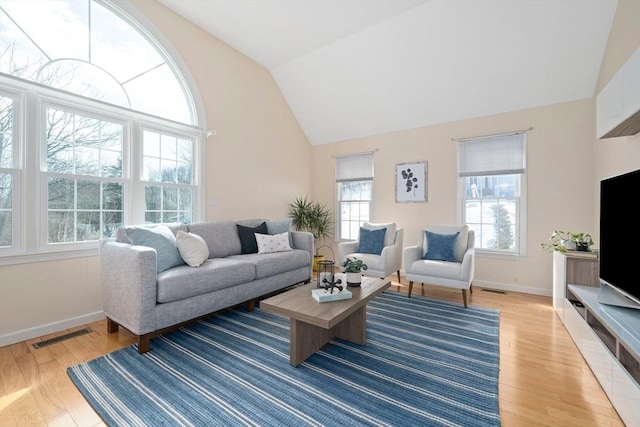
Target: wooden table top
{"points": [[299, 304]]}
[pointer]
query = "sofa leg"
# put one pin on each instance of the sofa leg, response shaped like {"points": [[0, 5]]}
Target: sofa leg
{"points": [[398, 276], [464, 297], [144, 343], [112, 326], [410, 288], [250, 305]]}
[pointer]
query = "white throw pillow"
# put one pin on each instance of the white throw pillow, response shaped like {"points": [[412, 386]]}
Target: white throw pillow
{"points": [[193, 249], [276, 243], [389, 235]]}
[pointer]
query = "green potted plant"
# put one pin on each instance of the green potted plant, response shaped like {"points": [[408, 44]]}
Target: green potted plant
{"points": [[315, 218], [567, 240], [353, 269]]}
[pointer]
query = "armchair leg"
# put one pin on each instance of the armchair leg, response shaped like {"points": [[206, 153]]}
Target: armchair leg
{"points": [[410, 288], [398, 276], [464, 297]]}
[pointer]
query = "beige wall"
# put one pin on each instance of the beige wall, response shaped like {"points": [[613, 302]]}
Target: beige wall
{"points": [[258, 162], [565, 163], [559, 143]]}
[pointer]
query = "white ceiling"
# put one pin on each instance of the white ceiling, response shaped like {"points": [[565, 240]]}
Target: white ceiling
{"points": [[354, 68]]}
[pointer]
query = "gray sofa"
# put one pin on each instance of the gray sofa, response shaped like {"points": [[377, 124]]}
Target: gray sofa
{"points": [[147, 302]]}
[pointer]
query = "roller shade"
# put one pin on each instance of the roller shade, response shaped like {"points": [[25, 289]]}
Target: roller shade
{"points": [[354, 167], [493, 155]]}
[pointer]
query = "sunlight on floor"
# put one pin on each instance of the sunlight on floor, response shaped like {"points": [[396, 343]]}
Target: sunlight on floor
{"points": [[7, 400]]}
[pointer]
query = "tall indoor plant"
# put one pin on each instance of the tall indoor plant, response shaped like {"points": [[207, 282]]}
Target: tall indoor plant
{"points": [[313, 217]]}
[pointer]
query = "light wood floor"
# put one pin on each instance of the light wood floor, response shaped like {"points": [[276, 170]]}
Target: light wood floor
{"points": [[543, 378]]}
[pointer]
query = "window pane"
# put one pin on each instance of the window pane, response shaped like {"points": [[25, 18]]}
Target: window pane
{"points": [[88, 226], [6, 211], [491, 210], [355, 203], [77, 207], [112, 197], [84, 47], [6, 131], [83, 145], [153, 198], [110, 223], [61, 226], [88, 195]]}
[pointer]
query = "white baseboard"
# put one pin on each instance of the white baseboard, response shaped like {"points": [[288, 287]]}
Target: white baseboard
{"points": [[508, 287], [38, 331]]}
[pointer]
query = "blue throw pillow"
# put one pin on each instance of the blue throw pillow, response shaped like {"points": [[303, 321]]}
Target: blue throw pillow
{"points": [[371, 241], [441, 247], [160, 238]]}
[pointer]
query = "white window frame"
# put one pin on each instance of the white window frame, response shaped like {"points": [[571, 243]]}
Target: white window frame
{"points": [[353, 168], [520, 236], [31, 244], [17, 173]]}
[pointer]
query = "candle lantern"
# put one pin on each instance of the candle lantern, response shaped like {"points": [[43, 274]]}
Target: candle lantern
{"points": [[325, 273]]}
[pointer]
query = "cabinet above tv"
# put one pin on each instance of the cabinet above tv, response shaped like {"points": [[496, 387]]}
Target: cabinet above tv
{"points": [[618, 103]]}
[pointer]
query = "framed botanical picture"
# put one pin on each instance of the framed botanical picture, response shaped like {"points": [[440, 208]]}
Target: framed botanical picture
{"points": [[411, 182]]}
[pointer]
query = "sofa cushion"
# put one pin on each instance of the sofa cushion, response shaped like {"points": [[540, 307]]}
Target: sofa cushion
{"points": [[371, 241], [389, 235], [267, 265], [247, 236], [193, 249], [158, 237], [217, 273], [441, 247], [269, 244], [221, 237], [439, 269]]}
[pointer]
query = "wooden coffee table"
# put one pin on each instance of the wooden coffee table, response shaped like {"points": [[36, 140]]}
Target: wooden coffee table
{"points": [[313, 324]]}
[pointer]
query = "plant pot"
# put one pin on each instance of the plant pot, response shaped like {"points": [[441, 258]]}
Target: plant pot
{"points": [[582, 247], [317, 258], [354, 279]]}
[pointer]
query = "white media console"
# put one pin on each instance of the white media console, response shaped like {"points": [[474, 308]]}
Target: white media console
{"points": [[608, 337]]}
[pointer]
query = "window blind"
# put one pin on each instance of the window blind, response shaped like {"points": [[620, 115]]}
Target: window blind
{"points": [[354, 167], [492, 155]]}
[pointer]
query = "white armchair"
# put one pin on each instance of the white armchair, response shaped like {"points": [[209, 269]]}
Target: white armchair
{"points": [[384, 264], [456, 272]]}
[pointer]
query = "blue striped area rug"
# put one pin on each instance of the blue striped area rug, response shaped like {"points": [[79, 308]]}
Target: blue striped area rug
{"points": [[426, 362]]}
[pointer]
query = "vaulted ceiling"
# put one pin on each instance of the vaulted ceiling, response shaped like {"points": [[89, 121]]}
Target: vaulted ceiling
{"points": [[355, 68]]}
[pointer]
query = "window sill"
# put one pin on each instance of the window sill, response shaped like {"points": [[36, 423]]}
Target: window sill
{"points": [[498, 255], [47, 256]]}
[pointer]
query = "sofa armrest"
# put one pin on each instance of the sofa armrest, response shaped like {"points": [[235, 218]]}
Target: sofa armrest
{"points": [[129, 285], [303, 240]]}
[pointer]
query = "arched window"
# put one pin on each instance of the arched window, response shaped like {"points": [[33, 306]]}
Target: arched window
{"points": [[115, 123]]}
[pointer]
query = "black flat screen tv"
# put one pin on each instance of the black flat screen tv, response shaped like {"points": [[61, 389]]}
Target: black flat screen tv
{"points": [[619, 258]]}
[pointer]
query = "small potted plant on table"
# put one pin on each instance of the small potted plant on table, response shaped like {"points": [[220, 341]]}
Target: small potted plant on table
{"points": [[353, 269], [568, 240]]}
